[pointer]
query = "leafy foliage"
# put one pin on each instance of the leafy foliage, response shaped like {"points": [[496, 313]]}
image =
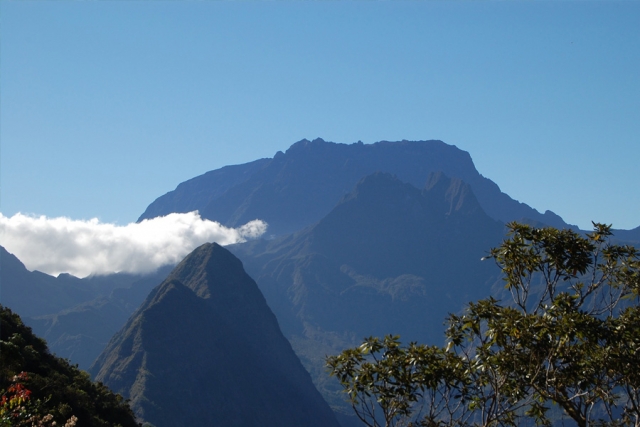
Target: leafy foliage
{"points": [[570, 337], [42, 388], [18, 409]]}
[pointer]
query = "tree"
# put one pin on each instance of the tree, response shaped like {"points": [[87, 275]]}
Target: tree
{"points": [[568, 336], [40, 389]]}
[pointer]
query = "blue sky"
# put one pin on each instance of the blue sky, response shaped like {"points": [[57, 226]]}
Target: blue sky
{"points": [[105, 106]]}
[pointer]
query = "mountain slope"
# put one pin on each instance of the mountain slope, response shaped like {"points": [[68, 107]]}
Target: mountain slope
{"points": [[389, 258], [299, 187], [206, 335], [33, 293], [379, 239], [77, 317], [631, 236], [58, 388], [197, 192], [81, 333]]}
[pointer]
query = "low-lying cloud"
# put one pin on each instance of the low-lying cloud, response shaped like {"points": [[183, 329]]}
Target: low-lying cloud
{"points": [[81, 248]]}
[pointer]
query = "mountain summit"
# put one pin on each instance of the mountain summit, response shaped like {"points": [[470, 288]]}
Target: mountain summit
{"points": [[297, 188], [204, 349]]}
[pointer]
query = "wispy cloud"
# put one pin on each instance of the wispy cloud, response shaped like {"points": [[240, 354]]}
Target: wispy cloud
{"points": [[81, 248]]}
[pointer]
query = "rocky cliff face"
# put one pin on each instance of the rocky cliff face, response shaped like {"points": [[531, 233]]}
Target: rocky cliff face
{"points": [[204, 349]]}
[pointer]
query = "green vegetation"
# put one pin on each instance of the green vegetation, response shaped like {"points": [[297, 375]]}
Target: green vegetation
{"points": [[568, 342], [39, 389]]}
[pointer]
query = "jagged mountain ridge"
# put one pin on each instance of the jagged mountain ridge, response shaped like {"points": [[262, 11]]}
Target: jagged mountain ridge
{"points": [[206, 334], [383, 229], [76, 316], [33, 293], [297, 188], [388, 259]]}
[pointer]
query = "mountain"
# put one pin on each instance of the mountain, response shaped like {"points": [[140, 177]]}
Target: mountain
{"points": [[198, 192], [388, 259], [297, 188], [385, 242], [205, 349], [629, 236], [57, 388], [82, 332], [33, 293], [77, 317]]}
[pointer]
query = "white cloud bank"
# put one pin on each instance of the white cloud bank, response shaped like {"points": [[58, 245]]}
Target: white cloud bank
{"points": [[81, 248]]}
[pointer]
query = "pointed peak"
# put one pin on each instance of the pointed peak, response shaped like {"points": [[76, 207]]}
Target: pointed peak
{"points": [[456, 193], [208, 320], [437, 179], [10, 259], [208, 250], [305, 144], [379, 183], [380, 188], [440, 182], [207, 264]]}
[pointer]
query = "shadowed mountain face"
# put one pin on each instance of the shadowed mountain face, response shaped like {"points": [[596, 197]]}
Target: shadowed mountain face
{"points": [[33, 293], [297, 188], [77, 317], [198, 192], [81, 333], [389, 244], [388, 259], [630, 236], [204, 349]]}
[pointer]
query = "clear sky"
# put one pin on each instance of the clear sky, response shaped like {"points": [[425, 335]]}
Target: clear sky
{"points": [[105, 106]]}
